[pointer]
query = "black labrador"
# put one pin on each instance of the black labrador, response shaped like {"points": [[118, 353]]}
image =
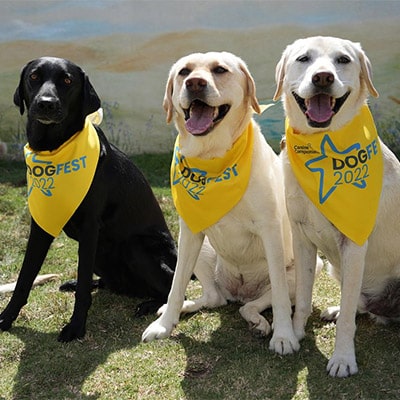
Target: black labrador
{"points": [[123, 237]]}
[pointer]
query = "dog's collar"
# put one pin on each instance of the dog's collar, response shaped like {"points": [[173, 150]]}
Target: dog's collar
{"points": [[341, 172], [205, 190], [58, 180]]}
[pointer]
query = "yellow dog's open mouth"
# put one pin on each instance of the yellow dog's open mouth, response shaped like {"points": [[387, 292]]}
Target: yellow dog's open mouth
{"points": [[320, 108], [201, 118]]}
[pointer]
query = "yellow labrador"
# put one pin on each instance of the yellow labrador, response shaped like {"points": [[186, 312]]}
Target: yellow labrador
{"points": [[324, 83], [247, 254]]}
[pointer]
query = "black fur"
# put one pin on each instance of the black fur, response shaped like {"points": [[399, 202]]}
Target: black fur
{"points": [[122, 234]]}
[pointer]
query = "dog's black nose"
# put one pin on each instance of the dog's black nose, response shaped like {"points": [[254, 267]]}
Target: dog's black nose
{"points": [[323, 79], [196, 84], [48, 103]]}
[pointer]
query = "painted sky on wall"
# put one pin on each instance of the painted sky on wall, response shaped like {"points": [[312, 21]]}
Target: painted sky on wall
{"points": [[71, 19]]}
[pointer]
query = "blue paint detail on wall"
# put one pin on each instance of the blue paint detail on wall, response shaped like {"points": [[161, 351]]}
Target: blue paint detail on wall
{"points": [[69, 20]]}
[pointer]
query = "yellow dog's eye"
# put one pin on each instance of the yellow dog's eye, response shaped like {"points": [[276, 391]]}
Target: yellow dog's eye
{"points": [[303, 59], [219, 70], [343, 60], [184, 72]]}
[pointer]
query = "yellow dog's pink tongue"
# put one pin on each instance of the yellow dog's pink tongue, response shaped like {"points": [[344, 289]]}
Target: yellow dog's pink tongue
{"points": [[201, 118], [319, 108]]}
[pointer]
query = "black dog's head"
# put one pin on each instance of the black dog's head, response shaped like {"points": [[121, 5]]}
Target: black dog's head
{"points": [[58, 96]]}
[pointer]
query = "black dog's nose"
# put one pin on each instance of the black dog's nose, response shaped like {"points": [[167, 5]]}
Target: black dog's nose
{"points": [[48, 103], [196, 84], [323, 79]]}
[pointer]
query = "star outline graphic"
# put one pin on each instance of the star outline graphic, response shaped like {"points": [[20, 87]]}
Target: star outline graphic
{"points": [[327, 141]]}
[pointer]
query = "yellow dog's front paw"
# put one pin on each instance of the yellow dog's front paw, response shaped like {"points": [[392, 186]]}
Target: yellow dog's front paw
{"points": [[342, 366], [157, 330]]}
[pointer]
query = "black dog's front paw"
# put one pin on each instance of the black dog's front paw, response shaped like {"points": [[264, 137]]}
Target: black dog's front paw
{"points": [[71, 285], [148, 307], [71, 332], [5, 322]]}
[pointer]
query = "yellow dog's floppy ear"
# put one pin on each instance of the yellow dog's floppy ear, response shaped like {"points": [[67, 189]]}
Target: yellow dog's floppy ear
{"points": [[167, 103], [251, 88], [366, 70], [280, 72]]}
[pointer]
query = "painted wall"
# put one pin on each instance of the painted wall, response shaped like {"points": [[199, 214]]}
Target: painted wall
{"points": [[127, 48]]}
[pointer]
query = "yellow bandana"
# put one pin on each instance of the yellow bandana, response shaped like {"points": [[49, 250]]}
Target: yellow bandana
{"points": [[58, 180], [341, 172], [205, 190]]}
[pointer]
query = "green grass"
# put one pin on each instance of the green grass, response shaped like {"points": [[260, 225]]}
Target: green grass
{"points": [[211, 354]]}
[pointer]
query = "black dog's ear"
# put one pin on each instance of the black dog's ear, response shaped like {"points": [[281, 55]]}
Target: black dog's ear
{"points": [[91, 101], [19, 95], [19, 99]]}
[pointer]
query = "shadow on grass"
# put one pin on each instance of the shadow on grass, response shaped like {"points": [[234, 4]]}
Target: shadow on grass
{"points": [[377, 351], [242, 367], [48, 369], [39, 369], [237, 365], [229, 364]]}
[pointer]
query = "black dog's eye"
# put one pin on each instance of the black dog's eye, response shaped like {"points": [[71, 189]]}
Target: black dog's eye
{"points": [[33, 76], [184, 72], [303, 59], [343, 60], [219, 70], [67, 80]]}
